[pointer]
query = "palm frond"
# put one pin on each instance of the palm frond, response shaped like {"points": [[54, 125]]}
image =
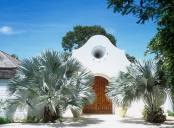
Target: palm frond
{"points": [[142, 80], [53, 80]]}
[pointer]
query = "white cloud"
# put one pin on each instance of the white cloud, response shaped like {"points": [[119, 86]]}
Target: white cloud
{"points": [[8, 31], [110, 30]]}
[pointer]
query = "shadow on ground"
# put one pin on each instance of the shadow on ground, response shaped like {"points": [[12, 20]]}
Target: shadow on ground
{"points": [[93, 121], [168, 122], [68, 122]]}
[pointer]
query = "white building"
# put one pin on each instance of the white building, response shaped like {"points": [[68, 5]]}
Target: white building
{"points": [[105, 60], [8, 66]]}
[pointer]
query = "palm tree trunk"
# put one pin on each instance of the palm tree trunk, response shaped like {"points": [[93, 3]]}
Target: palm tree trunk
{"points": [[48, 116]]}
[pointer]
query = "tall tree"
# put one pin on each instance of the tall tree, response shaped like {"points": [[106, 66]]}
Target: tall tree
{"points": [[143, 9], [131, 57], [80, 34], [163, 12], [15, 56], [163, 44]]}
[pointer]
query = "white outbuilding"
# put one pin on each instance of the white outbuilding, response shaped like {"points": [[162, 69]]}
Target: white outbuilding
{"points": [[105, 61], [8, 67]]}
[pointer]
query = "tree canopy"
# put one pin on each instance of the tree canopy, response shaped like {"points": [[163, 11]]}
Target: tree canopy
{"points": [[80, 34], [15, 56], [163, 13], [144, 10], [128, 56], [162, 44]]}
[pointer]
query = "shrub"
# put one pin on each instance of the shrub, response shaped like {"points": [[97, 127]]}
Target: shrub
{"points": [[2, 104], [170, 113], [4, 120], [154, 116], [32, 119]]}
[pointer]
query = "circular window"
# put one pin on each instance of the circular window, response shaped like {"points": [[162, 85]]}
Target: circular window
{"points": [[98, 52]]}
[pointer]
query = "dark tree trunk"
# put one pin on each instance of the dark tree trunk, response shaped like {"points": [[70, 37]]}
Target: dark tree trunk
{"points": [[48, 116]]}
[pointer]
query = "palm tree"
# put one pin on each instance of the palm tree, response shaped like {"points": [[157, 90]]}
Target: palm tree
{"points": [[53, 80], [143, 80]]}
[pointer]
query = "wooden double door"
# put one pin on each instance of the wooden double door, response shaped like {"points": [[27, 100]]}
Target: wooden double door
{"points": [[101, 105]]}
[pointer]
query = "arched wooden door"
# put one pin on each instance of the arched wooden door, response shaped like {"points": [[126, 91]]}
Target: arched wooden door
{"points": [[101, 105]]}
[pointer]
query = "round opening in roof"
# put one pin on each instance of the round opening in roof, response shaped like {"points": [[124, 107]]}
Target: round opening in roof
{"points": [[98, 52]]}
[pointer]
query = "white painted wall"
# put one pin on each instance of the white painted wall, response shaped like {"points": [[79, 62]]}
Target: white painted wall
{"points": [[4, 96], [168, 104], [38, 113]]}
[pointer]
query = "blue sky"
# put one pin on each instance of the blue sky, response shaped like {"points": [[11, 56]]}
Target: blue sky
{"points": [[27, 27]]}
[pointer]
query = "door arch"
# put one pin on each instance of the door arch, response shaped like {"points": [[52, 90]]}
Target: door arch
{"points": [[101, 104]]}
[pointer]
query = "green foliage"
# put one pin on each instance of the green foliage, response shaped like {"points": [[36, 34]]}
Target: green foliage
{"points": [[5, 120], [144, 9], [32, 119], [2, 104], [154, 116], [162, 45], [15, 56], [170, 113], [127, 55], [142, 80], [80, 34], [52, 80]]}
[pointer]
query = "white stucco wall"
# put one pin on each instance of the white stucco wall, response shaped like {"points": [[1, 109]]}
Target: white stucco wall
{"points": [[136, 108], [168, 104], [112, 62]]}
